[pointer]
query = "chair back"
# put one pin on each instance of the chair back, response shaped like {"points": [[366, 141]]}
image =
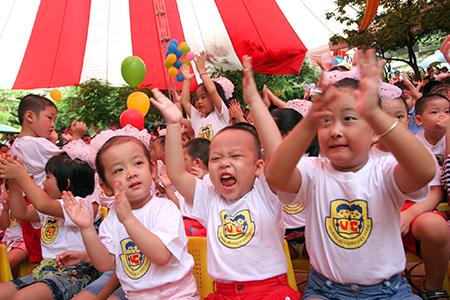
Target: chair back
{"points": [[5, 268]]}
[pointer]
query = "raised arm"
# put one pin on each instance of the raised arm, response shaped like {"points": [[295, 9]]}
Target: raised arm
{"points": [[411, 173], [17, 204], [182, 180], [273, 98], [38, 197], [185, 92], [207, 81]]}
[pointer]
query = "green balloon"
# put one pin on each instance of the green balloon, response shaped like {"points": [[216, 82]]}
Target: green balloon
{"points": [[185, 50], [133, 70], [167, 64], [186, 62]]}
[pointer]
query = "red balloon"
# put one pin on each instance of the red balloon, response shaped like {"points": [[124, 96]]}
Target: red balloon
{"points": [[133, 117]]}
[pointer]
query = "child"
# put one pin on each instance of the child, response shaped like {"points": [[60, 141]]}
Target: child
{"points": [[143, 235], [428, 111], [210, 113], [58, 232], [37, 116], [13, 239], [353, 201], [243, 218], [425, 232]]}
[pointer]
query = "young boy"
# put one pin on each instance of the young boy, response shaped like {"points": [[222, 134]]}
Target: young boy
{"points": [[243, 216], [353, 201], [429, 110], [37, 116]]}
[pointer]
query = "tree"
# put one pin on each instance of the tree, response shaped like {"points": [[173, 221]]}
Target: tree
{"points": [[398, 24]]}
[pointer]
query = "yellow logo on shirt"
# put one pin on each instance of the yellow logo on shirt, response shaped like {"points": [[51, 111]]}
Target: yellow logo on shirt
{"points": [[206, 132], [236, 231], [13, 222], [348, 225], [50, 230], [134, 263], [293, 209], [440, 159]]}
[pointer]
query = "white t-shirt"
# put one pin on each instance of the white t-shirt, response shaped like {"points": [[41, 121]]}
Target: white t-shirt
{"points": [[134, 270], [438, 149], [245, 237], [60, 234], [208, 127], [35, 153], [294, 215], [357, 216]]}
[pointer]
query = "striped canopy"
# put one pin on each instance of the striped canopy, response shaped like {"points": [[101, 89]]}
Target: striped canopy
{"points": [[55, 43]]}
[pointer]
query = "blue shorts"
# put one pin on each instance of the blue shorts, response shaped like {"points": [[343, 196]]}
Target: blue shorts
{"points": [[95, 287], [63, 284], [319, 286]]}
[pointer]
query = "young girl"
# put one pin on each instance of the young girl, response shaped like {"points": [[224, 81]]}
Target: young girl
{"points": [[58, 233], [353, 201], [210, 113], [13, 239], [142, 235]]}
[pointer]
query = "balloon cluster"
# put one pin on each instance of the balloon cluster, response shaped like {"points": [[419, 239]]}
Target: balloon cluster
{"points": [[138, 105], [174, 59]]}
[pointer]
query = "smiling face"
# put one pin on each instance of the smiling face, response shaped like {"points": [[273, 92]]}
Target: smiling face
{"points": [[127, 162], [204, 104], [233, 164], [43, 123], [347, 137]]}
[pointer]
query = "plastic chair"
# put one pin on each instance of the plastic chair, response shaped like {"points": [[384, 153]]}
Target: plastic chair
{"points": [[205, 285], [5, 268]]}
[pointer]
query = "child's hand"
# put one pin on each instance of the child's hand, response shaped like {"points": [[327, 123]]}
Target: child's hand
{"points": [[235, 111], [200, 60], [367, 95], [444, 122], [165, 180], [121, 203], [176, 95], [197, 172], [78, 212], [70, 258], [267, 96], [168, 109], [11, 168], [405, 221], [78, 129], [5, 199], [185, 70], [249, 90]]}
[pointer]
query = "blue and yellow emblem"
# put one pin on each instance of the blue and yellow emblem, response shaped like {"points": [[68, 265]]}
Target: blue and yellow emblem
{"points": [[440, 159], [236, 231], [50, 230], [134, 263], [206, 132], [348, 225], [293, 209]]}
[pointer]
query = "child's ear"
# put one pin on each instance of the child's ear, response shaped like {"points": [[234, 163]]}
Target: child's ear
{"points": [[29, 116], [419, 120], [107, 189], [197, 162], [259, 167]]}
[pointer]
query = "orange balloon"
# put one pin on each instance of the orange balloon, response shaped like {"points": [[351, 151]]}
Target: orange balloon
{"points": [[173, 71], [55, 94], [171, 58], [139, 101]]}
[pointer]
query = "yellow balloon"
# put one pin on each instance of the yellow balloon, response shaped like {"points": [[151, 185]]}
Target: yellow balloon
{"points": [[182, 45], [173, 71], [139, 101], [171, 58], [55, 94]]}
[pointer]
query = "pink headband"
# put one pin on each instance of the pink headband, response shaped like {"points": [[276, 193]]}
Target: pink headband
{"points": [[227, 85], [302, 106], [387, 91], [79, 149]]}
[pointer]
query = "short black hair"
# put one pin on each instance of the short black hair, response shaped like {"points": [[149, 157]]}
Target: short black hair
{"points": [[117, 140], [286, 119], [198, 148], [219, 90], [422, 102], [72, 175], [35, 103], [247, 127]]}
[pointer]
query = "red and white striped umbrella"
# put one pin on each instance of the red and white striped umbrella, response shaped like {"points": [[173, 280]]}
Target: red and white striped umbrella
{"points": [[54, 43]]}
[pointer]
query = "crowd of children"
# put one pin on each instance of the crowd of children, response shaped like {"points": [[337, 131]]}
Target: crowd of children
{"points": [[341, 178]]}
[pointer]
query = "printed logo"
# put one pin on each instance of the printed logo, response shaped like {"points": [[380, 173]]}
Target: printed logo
{"points": [[135, 264], [440, 159], [348, 225], [13, 222], [236, 231], [293, 209], [206, 132], [50, 230]]}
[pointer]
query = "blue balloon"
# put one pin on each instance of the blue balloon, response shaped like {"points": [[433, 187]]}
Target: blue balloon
{"points": [[167, 53], [177, 64], [172, 48], [178, 53], [180, 77], [175, 42]]}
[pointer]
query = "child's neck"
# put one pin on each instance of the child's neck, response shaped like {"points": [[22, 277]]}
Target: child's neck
{"points": [[433, 137], [138, 205], [26, 131]]}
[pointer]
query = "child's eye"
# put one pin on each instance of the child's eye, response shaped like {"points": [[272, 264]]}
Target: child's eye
{"points": [[447, 112], [214, 159], [138, 163], [236, 156], [400, 117], [349, 118], [118, 170], [327, 120], [434, 112]]}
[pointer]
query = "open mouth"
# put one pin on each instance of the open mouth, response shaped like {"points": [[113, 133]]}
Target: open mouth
{"points": [[227, 181], [135, 185]]}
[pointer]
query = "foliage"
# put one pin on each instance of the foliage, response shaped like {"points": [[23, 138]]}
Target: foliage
{"points": [[9, 102], [398, 24], [289, 86]]}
